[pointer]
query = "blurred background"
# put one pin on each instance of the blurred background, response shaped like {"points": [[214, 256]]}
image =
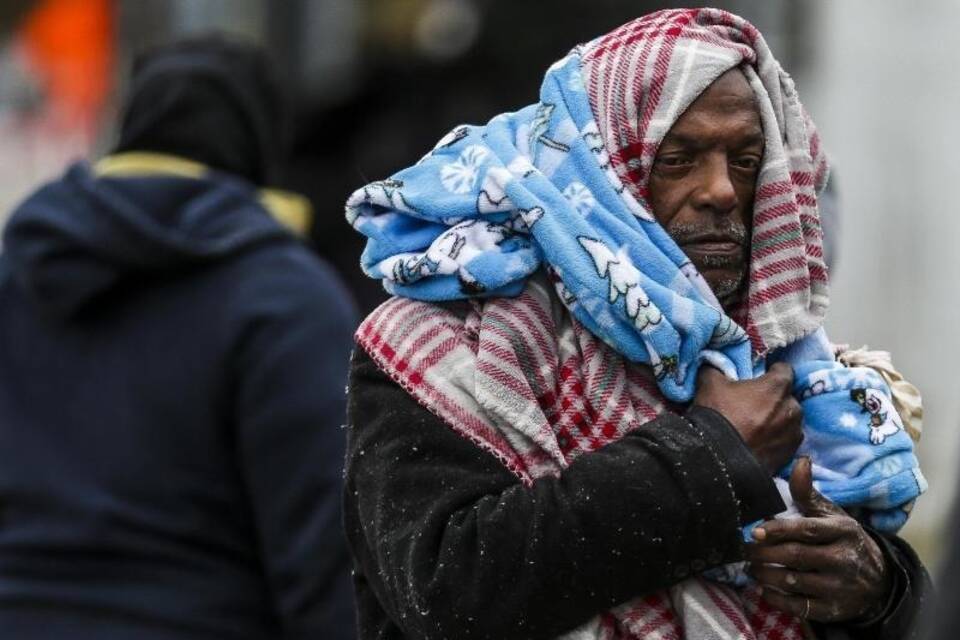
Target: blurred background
{"points": [[374, 83]]}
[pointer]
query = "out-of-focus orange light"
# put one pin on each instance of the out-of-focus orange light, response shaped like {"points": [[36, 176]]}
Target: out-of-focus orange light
{"points": [[70, 46]]}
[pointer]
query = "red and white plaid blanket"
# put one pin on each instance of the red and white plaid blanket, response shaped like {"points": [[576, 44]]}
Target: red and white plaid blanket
{"points": [[521, 379]]}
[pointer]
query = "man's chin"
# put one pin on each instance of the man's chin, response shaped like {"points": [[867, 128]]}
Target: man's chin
{"points": [[726, 285]]}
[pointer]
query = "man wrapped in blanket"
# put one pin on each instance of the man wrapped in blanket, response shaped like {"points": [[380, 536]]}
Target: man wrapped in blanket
{"points": [[606, 338]]}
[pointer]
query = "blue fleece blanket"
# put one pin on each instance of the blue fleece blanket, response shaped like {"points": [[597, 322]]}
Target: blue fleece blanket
{"points": [[862, 457], [491, 205]]}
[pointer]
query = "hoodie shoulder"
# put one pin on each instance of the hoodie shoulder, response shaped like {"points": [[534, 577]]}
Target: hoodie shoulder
{"points": [[78, 238], [289, 278]]}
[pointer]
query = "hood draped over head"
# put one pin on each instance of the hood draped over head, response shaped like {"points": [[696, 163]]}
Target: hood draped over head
{"points": [[562, 185], [211, 100]]}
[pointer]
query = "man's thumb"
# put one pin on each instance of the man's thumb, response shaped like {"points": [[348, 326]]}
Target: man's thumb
{"points": [[807, 499], [708, 374]]}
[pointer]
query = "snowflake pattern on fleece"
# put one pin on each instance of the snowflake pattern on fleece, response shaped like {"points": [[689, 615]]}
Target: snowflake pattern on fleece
{"points": [[489, 206]]}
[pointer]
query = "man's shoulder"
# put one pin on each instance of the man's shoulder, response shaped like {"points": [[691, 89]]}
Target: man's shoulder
{"points": [[285, 280], [286, 263]]}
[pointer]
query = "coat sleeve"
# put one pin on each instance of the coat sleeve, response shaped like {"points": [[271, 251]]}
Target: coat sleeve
{"points": [[454, 546], [290, 406], [909, 602]]}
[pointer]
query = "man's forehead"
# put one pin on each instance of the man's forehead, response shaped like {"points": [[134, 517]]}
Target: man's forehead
{"points": [[731, 89], [729, 102], [692, 136]]}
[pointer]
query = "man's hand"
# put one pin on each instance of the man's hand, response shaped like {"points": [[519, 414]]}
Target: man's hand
{"points": [[823, 566], [762, 410]]}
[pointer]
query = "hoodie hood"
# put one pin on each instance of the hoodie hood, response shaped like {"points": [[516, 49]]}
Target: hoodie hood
{"points": [[79, 237]]}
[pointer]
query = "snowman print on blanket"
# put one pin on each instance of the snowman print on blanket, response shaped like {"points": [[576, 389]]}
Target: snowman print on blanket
{"points": [[882, 425]]}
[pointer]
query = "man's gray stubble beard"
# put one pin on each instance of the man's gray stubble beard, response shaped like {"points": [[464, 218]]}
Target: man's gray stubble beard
{"points": [[726, 287]]}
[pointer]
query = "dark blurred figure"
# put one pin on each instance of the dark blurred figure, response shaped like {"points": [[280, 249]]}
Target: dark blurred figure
{"points": [[173, 364], [945, 622]]}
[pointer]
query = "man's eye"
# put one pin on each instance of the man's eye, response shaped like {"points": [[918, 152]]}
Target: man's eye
{"points": [[749, 163], [673, 161]]}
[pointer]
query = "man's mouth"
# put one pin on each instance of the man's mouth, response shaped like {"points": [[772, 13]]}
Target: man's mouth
{"points": [[712, 244]]}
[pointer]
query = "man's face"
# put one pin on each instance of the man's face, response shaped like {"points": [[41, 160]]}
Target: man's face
{"points": [[703, 179]]}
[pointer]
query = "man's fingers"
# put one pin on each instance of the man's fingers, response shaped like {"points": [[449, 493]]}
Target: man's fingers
{"points": [[802, 606], [782, 373], [801, 481], [708, 373], [809, 530], [808, 499], [793, 555], [791, 582]]}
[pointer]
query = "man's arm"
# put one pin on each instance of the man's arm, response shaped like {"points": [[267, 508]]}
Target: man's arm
{"points": [[454, 546], [290, 404], [909, 599]]}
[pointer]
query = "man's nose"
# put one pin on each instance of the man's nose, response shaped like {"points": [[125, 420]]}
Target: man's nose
{"points": [[715, 191]]}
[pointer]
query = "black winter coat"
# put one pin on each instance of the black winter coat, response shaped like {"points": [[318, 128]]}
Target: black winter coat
{"points": [[448, 544]]}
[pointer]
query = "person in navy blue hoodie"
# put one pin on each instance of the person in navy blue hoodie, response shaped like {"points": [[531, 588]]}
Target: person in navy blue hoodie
{"points": [[173, 364]]}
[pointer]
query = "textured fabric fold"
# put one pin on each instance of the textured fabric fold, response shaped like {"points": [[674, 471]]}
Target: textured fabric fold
{"points": [[876, 471]]}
